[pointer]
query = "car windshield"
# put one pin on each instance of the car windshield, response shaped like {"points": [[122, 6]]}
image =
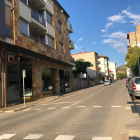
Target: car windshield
{"points": [[137, 81]]}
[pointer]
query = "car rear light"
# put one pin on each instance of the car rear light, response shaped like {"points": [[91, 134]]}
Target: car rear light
{"points": [[134, 87], [127, 81]]}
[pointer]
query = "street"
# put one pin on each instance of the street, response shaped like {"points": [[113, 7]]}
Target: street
{"points": [[92, 114]]}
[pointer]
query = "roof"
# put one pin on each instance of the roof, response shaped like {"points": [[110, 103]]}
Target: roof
{"points": [[84, 53], [62, 8], [100, 56]]}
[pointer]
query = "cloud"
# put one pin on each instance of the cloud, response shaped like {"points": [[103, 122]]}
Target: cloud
{"points": [[78, 47], [80, 39], [131, 15], [103, 30], [117, 40], [117, 18], [105, 35], [108, 25], [94, 42], [119, 35]]}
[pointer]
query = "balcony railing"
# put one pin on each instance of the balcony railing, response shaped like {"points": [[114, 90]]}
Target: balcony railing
{"points": [[71, 27], [38, 17], [71, 42]]}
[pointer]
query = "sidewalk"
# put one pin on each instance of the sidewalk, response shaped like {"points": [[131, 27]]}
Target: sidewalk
{"points": [[40, 101], [131, 123]]}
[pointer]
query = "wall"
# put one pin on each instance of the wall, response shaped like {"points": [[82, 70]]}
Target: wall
{"points": [[112, 67]]}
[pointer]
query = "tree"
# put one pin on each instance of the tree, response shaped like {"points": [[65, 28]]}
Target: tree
{"points": [[122, 75], [132, 59], [81, 66]]}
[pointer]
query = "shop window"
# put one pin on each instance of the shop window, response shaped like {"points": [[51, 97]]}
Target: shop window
{"points": [[46, 80], [27, 81], [67, 79]]}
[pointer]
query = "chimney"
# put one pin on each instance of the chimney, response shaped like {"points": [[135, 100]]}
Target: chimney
{"points": [[83, 50]]}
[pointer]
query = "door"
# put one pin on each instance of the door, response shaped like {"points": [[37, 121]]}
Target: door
{"points": [[13, 78], [62, 81]]}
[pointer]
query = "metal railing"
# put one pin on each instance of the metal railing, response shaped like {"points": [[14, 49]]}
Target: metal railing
{"points": [[38, 17]]}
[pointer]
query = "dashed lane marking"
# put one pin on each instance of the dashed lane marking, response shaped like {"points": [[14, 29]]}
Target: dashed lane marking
{"points": [[77, 102], [52, 108], [38, 109], [66, 107], [102, 138], [65, 137], [6, 136], [97, 106], [115, 106], [9, 111], [26, 110], [80, 106], [33, 137]]}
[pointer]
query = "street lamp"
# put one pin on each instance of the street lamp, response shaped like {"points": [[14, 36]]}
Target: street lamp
{"points": [[136, 45]]}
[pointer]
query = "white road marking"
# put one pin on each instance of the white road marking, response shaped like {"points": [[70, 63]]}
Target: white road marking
{"points": [[26, 110], [38, 109], [102, 138], [97, 106], [62, 103], [115, 106], [6, 136], [44, 104], [9, 111], [91, 95], [51, 108], [80, 106], [77, 102], [33, 136], [66, 107], [65, 137]]}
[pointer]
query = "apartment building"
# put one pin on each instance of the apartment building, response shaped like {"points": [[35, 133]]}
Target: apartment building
{"points": [[92, 57], [103, 65], [34, 36], [132, 39], [112, 67]]}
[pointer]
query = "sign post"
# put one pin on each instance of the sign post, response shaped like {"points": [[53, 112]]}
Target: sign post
{"points": [[24, 75]]}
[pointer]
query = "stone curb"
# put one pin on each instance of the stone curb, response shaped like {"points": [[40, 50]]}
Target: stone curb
{"points": [[22, 108]]}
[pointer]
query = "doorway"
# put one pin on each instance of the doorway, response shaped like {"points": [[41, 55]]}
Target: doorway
{"points": [[62, 81]]}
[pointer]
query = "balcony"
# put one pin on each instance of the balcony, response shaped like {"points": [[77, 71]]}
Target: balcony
{"points": [[72, 61], [71, 45], [69, 26], [49, 6], [50, 29], [37, 4]]}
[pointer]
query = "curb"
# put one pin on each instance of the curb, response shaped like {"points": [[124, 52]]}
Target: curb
{"points": [[22, 108]]}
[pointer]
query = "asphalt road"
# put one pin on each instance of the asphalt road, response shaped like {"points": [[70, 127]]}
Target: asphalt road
{"points": [[93, 114]]}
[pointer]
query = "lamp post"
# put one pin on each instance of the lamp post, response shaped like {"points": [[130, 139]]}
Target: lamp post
{"points": [[136, 46]]}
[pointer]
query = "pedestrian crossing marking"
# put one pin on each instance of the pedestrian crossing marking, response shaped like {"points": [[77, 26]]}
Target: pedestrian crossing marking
{"points": [[6, 136], [38, 109], [66, 107], [102, 138], [97, 106], [115, 106], [33, 137], [65, 137], [80, 106], [52, 108]]}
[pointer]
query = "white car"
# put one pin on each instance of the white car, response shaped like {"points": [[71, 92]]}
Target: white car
{"points": [[101, 82]]}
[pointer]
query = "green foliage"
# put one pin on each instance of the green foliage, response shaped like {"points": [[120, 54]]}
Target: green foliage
{"points": [[132, 59], [122, 75], [81, 66], [46, 71], [122, 68]]}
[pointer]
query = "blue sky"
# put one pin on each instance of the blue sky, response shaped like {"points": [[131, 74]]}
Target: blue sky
{"points": [[102, 25]]}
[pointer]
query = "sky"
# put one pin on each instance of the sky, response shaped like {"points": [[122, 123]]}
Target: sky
{"points": [[102, 25]]}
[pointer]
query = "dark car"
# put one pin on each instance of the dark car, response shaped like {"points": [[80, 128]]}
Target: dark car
{"points": [[127, 81]]}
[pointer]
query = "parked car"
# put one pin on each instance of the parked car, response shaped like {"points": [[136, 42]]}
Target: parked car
{"points": [[134, 87], [107, 82], [127, 81], [101, 82]]}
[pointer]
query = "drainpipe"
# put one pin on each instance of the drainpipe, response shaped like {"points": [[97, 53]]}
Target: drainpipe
{"points": [[13, 13]]}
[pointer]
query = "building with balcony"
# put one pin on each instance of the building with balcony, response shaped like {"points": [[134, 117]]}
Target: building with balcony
{"points": [[34, 36], [132, 39], [103, 64], [92, 57]]}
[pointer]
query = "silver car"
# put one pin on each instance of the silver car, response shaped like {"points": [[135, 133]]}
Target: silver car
{"points": [[107, 82], [134, 87]]}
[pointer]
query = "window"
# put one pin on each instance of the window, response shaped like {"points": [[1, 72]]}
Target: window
{"points": [[59, 26], [49, 17], [24, 27], [61, 47], [50, 41], [137, 81]]}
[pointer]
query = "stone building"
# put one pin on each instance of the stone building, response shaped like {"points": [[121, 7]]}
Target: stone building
{"points": [[132, 39], [34, 36], [92, 57], [104, 70]]}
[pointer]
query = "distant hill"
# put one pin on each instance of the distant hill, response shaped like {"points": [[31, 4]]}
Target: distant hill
{"points": [[121, 68]]}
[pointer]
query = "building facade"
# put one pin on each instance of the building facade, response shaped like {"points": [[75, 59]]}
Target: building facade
{"points": [[132, 39], [104, 70], [112, 67], [34, 36], [92, 57]]}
